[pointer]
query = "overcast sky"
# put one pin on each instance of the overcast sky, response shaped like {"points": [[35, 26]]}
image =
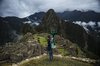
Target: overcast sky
{"points": [[23, 8]]}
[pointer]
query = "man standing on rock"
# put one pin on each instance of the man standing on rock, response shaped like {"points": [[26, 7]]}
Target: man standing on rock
{"points": [[49, 48]]}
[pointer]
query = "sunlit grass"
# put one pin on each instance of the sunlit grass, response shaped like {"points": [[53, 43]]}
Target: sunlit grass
{"points": [[63, 52], [42, 39]]}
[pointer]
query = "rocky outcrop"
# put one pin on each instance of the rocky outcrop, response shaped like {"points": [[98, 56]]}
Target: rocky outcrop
{"points": [[15, 52]]}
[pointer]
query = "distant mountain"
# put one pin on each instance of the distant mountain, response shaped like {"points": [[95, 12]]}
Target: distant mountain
{"points": [[73, 16], [66, 15], [80, 16], [37, 16]]}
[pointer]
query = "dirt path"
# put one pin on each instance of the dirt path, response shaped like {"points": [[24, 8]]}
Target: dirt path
{"points": [[87, 60]]}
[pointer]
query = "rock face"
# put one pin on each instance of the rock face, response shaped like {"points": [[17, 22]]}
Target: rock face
{"points": [[25, 48]]}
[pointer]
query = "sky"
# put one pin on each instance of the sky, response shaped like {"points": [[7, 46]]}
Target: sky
{"points": [[23, 8]]}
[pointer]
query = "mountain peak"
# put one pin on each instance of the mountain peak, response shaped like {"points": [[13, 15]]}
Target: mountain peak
{"points": [[51, 11], [50, 20]]}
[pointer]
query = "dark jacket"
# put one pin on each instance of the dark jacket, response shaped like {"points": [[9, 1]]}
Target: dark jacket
{"points": [[49, 45]]}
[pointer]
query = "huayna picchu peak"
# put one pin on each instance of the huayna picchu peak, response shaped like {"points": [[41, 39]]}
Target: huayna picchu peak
{"points": [[50, 21]]}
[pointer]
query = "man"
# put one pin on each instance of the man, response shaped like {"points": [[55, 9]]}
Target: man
{"points": [[49, 48]]}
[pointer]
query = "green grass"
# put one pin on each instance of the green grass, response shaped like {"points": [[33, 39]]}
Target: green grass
{"points": [[56, 62], [63, 52], [42, 39], [5, 64]]}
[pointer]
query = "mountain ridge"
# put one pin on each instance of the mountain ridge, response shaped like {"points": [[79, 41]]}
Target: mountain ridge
{"points": [[70, 15]]}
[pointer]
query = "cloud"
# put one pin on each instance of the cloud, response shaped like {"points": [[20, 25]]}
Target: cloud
{"points": [[22, 8], [99, 24], [85, 24], [92, 24]]}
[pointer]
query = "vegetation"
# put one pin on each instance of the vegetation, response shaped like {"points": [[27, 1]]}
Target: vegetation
{"points": [[41, 38], [5, 64]]}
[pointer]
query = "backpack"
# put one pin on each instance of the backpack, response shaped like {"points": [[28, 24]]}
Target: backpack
{"points": [[52, 43]]}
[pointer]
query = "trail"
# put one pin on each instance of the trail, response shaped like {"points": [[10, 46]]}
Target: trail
{"points": [[87, 60]]}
